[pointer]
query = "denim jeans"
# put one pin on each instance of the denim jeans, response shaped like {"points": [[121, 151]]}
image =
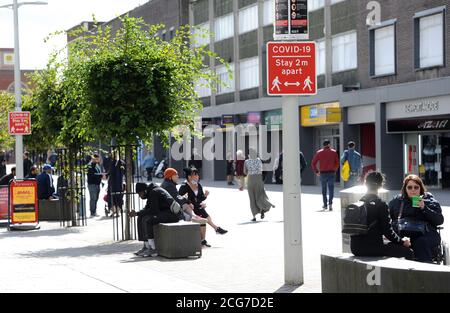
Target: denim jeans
{"points": [[94, 191], [327, 179]]}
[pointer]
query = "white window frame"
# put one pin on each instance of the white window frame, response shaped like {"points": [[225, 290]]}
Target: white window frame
{"points": [[228, 31], [321, 58], [223, 76], [245, 24], [269, 12], [379, 52], [201, 29], [345, 54], [251, 67], [425, 42]]}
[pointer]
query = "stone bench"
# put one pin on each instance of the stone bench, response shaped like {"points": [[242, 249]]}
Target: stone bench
{"points": [[349, 274], [50, 210], [178, 240]]}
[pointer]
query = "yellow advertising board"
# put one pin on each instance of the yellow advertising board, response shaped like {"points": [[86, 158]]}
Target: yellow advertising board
{"points": [[24, 195], [320, 114]]}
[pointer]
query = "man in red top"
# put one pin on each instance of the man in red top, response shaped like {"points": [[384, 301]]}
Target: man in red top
{"points": [[328, 160]]}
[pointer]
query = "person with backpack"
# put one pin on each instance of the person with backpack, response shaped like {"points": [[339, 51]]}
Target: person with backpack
{"points": [[369, 221]]}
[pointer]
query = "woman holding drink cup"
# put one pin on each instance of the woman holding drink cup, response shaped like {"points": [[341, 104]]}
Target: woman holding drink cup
{"points": [[416, 214]]}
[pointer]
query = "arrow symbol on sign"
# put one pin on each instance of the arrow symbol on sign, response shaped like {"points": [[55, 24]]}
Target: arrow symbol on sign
{"points": [[292, 84]]}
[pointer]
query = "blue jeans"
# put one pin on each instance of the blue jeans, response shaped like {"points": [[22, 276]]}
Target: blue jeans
{"points": [[327, 179], [94, 191]]}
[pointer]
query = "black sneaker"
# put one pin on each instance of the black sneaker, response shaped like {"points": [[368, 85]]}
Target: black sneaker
{"points": [[221, 231], [262, 215], [330, 207], [205, 244], [324, 207], [254, 219]]}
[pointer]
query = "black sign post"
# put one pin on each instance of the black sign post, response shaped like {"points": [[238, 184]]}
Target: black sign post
{"points": [[291, 20]]}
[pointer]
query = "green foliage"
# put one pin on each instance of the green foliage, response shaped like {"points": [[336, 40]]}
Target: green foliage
{"points": [[6, 105], [129, 85]]}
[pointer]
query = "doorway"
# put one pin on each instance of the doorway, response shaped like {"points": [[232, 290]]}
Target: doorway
{"points": [[445, 164]]}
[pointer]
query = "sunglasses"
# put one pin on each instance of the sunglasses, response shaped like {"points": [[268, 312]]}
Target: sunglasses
{"points": [[415, 187]]}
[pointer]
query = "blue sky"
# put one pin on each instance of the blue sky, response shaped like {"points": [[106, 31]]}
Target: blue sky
{"points": [[36, 22]]}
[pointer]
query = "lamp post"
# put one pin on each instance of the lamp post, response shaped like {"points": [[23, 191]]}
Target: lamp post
{"points": [[17, 78]]}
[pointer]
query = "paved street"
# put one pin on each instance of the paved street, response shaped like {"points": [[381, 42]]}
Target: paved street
{"points": [[249, 258]]}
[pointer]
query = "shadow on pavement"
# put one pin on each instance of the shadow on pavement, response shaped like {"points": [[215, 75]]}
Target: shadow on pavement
{"points": [[86, 251], [40, 233]]}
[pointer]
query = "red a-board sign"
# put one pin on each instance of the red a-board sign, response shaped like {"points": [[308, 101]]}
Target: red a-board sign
{"points": [[291, 68], [19, 123]]}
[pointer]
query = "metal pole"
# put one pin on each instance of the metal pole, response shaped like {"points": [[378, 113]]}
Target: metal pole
{"points": [[293, 247], [17, 90]]}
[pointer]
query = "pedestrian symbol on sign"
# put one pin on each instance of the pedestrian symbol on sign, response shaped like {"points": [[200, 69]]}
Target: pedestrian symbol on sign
{"points": [[276, 84], [308, 83]]}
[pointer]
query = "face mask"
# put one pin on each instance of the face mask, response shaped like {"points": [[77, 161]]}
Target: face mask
{"points": [[194, 182], [175, 180]]}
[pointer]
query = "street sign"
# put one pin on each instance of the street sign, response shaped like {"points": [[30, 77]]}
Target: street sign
{"points": [[291, 20], [291, 68], [19, 123]]}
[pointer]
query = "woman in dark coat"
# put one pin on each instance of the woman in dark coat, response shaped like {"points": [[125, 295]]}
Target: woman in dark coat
{"points": [[427, 210], [115, 186]]}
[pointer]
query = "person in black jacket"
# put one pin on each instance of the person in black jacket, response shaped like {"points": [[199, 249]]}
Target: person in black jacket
{"points": [[157, 210], [428, 211], [278, 167], [5, 179], [372, 243], [196, 197], [94, 178], [169, 183], [45, 186]]}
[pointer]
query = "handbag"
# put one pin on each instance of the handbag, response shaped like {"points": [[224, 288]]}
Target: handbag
{"points": [[408, 225]]}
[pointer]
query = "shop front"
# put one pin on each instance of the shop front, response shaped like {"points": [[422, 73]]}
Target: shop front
{"points": [[426, 138], [317, 123]]}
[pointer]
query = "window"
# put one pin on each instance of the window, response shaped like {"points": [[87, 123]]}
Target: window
{"points": [[315, 4], [320, 57], [318, 4], [201, 89], [163, 35], [429, 41], [224, 27], [344, 52], [172, 32], [248, 19], [269, 12], [382, 46], [225, 83], [249, 70], [201, 34]]}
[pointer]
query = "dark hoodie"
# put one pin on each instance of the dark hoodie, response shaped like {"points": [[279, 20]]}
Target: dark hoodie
{"points": [[158, 200]]}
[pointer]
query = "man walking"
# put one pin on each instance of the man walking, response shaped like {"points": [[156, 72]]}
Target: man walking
{"points": [[94, 177], [354, 161], [328, 160]]}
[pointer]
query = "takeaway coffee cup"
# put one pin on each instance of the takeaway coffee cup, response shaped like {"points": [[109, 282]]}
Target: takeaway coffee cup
{"points": [[416, 200]]}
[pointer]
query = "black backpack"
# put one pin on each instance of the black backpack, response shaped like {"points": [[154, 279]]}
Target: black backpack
{"points": [[355, 219]]}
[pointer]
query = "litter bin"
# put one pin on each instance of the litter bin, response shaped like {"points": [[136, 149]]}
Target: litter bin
{"points": [[351, 195]]}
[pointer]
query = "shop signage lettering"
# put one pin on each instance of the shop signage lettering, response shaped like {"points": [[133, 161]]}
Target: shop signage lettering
{"points": [[421, 125], [425, 106], [434, 124]]}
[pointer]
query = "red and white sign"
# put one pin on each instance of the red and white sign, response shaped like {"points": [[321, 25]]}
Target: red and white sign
{"points": [[291, 68], [19, 123]]}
